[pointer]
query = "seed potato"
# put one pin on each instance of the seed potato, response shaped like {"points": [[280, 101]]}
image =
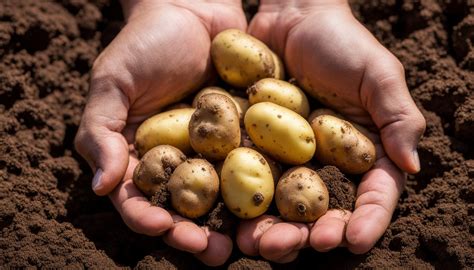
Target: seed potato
{"points": [[280, 132], [301, 195], [342, 145], [246, 183], [156, 167], [169, 127], [194, 187], [214, 127], [241, 59], [279, 92]]}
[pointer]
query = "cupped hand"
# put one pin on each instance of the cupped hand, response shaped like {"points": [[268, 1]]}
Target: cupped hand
{"points": [[340, 63], [161, 55]]}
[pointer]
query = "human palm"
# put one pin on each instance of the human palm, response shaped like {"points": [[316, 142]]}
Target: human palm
{"points": [[340, 63]]}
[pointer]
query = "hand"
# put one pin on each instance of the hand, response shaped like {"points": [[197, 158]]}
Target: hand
{"points": [[161, 55], [340, 63]]}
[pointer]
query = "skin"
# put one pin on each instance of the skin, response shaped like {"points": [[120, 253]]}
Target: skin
{"points": [[318, 41], [138, 74]]}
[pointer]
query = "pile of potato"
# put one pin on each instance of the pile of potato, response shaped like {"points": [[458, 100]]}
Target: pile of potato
{"points": [[242, 143]]}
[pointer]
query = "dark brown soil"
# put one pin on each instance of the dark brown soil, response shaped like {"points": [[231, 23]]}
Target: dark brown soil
{"points": [[49, 216]]}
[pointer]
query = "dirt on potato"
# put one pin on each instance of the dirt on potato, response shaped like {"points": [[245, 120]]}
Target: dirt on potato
{"points": [[49, 216]]}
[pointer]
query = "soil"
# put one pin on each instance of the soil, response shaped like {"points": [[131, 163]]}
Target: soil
{"points": [[49, 216]]}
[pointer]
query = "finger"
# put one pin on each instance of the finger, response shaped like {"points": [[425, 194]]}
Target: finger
{"points": [[186, 235], [249, 233], [377, 197], [99, 139], [219, 248], [283, 240], [329, 230], [386, 97]]}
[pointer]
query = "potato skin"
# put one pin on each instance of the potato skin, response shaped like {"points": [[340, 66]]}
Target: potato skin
{"points": [[280, 132], [217, 90], [342, 145], [156, 167], [246, 183], [169, 127], [301, 195], [326, 111], [241, 59], [279, 67], [194, 187], [279, 92], [214, 127]]}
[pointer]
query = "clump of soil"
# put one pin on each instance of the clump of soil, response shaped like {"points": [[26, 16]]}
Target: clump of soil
{"points": [[342, 191], [50, 218]]}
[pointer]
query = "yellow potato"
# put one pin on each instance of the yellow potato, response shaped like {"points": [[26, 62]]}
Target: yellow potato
{"points": [[246, 183], [217, 90], [169, 127], [326, 111], [279, 67], [241, 59], [280, 132], [279, 92], [156, 167], [243, 104], [194, 187], [214, 128], [342, 145], [301, 195]]}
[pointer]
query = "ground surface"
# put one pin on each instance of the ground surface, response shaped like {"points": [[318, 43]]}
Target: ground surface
{"points": [[50, 218]]}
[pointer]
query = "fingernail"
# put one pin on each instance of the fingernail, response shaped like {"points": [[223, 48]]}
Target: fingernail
{"points": [[416, 160], [97, 180]]}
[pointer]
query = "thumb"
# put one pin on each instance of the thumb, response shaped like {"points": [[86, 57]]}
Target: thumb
{"points": [[99, 139], [387, 99]]}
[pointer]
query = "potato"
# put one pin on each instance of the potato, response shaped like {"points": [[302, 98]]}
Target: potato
{"points": [[279, 67], [241, 59], [218, 90], [279, 92], [280, 132], [194, 187], [156, 167], [169, 127], [246, 183], [301, 195], [326, 111], [214, 127], [243, 104], [342, 145]]}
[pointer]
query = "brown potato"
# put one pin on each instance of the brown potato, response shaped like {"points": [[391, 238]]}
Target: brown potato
{"points": [[194, 186], [214, 129], [156, 167], [301, 195], [342, 145], [217, 90]]}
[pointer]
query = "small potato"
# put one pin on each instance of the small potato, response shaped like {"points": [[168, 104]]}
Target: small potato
{"points": [[279, 67], [214, 127], [342, 145], [217, 90], [301, 195], [326, 111], [194, 187], [169, 127], [156, 167], [241, 59], [279, 92], [246, 183], [280, 132], [243, 104]]}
